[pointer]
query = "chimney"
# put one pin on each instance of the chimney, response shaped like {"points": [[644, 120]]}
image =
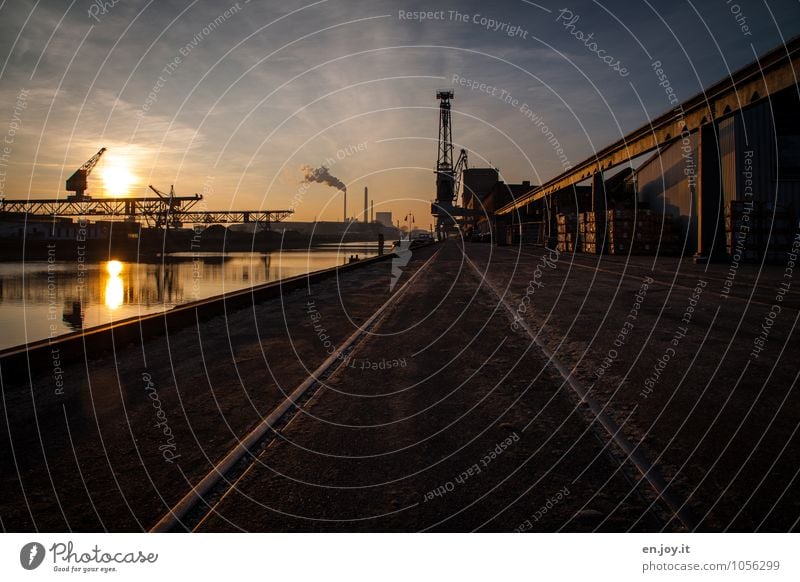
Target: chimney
{"points": [[366, 217], [372, 211]]}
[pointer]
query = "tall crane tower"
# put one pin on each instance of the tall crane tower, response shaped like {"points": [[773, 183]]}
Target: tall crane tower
{"points": [[77, 182], [448, 173]]}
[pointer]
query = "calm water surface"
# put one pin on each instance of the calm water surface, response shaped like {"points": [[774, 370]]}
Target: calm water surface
{"points": [[40, 299]]}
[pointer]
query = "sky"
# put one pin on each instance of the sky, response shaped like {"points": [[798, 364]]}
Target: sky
{"points": [[233, 99]]}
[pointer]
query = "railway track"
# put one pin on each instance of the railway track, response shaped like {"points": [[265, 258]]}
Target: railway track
{"points": [[200, 503], [192, 511], [606, 429]]}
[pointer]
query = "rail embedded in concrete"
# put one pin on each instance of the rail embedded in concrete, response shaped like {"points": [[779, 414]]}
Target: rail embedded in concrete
{"points": [[18, 363], [173, 519], [650, 472]]}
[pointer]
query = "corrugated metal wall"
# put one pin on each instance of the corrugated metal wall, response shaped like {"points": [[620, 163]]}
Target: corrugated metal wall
{"points": [[664, 186], [729, 171], [755, 132], [789, 195]]}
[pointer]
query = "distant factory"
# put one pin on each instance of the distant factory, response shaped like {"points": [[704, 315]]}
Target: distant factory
{"points": [[384, 218], [352, 229]]}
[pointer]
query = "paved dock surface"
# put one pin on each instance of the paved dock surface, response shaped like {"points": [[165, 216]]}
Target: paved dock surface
{"points": [[475, 433], [448, 416], [684, 382]]}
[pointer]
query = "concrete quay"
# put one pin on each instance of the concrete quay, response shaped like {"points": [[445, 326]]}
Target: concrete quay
{"points": [[503, 389]]}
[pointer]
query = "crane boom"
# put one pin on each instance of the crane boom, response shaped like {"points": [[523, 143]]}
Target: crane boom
{"points": [[164, 195], [461, 165], [164, 218], [77, 182]]}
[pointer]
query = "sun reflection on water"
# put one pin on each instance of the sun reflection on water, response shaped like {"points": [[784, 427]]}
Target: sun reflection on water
{"points": [[115, 291]]}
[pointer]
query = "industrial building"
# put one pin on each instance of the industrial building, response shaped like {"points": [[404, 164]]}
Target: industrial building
{"points": [[487, 195], [353, 228], [722, 176], [384, 218], [478, 182]]}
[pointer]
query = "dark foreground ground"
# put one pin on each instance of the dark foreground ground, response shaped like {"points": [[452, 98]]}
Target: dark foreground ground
{"points": [[447, 418]]}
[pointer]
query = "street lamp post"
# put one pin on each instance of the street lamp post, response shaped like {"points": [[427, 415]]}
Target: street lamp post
{"points": [[410, 224]]}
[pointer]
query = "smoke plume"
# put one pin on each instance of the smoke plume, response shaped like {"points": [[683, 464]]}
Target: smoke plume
{"points": [[322, 176]]}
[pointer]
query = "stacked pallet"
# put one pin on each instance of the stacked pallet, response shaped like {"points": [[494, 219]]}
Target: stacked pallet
{"points": [[756, 231], [641, 232], [594, 225], [568, 236]]}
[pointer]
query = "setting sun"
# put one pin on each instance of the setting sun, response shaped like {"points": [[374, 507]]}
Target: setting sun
{"points": [[117, 177]]}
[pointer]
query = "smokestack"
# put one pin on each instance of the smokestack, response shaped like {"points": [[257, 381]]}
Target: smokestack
{"points": [[372, 211], [345, 204], [366, 199]]}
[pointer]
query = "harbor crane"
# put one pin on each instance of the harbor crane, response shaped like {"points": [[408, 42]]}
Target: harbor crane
{"points": [[77, 182], [168, 217], [448, 173]]}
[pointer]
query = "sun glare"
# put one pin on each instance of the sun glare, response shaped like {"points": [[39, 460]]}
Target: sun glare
{"points": [[115, 291], [117, 177], [114, 268]]}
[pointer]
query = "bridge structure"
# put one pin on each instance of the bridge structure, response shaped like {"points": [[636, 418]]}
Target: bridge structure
{"points": [[153, 211]]}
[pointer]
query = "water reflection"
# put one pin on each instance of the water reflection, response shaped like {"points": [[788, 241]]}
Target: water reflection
{"points": [[73, 318], [115, 290], [108, 291], [114, 268]]}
